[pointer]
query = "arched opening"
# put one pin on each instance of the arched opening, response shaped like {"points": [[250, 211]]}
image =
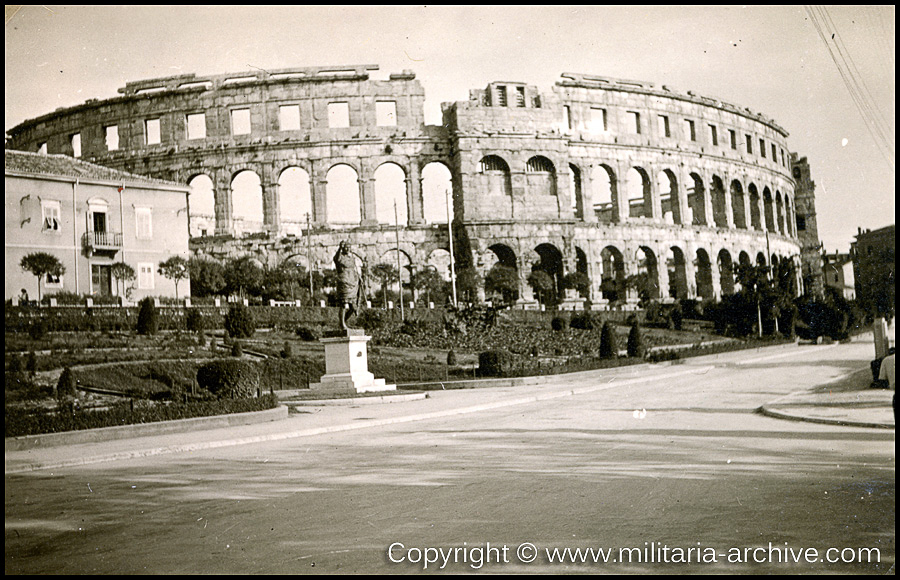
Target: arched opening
{"points": [[726, 273], [495, 176], [647, 279], [761, 259], [390, 195], [540, 176], [342, 204], [551, 263], [294, 200], [769, 210], [247, 202], [576, 192], [638, 188], [779, 212], [717, 198], [605, 196], [668, 196], [696, 200], [612, 278], [737, 205], [501, 279], [755, 220], [202, 204], [437, 192], [440, 260], [704, 282], [677, 268]]}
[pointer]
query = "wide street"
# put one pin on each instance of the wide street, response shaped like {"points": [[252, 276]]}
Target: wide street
{"points": [[670, 461]]}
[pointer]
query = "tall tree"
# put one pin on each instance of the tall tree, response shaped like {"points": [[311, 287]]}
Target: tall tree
{"points": [[175, 269], [123, 273], [42, 264], [386, 274]]}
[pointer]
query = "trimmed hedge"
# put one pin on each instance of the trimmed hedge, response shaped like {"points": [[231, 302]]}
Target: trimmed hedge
{"points": [[229, 378], [494, 363], [20, 421]]}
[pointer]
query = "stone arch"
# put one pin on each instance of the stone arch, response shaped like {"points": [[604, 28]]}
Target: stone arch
{"points": [[439, 259], [605, 193], [769, 210], [437, 181], [612, 277], [202, 205], [717, 199], [638, 192], [779, 212], [696, 197], [704, 280], [726, 272], [737, 205], [551, 262], [540, 176], [247, 202], [294, 199], [495, 175], [648, 268], [390, 193], [755, 219], [390, 257], [342, 199], [677, 269], [667, 182], [761, 259]]}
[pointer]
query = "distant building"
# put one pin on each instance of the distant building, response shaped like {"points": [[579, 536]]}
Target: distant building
{"points": [[91, 217], [838, 274], [873, 267]]}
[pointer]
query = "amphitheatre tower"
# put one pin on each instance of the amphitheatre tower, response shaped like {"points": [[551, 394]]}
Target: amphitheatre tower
{"points": [[607, 177]]}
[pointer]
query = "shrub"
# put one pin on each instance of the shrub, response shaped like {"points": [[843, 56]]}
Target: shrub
{"points": [[609, 347], [239, 322], [494, 363], [65, 387], [148, 317], [558, 323], [38, 330], [286, 352], [194, 321], [306, 334], [582, 321], [229, 378], [371, 320], [31, 362], [635, 346], [237, 349], [451, 358]]}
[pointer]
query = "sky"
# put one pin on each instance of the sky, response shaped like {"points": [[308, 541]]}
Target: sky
{"points": [[770, 59]]}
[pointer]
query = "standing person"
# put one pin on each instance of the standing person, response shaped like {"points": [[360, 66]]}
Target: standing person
{"points": [[348, 282]]}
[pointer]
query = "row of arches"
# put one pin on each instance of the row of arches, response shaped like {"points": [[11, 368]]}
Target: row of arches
{"points": [[245, 206]]}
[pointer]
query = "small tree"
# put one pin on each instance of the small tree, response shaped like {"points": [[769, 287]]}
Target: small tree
{"points": [[503, 280], [175, 269], [148, 318], [122, 272], [244, 274], [544, 286], [636, 347], [239, 322], [578, 281], [207, 277], [386, 274], [65, 387], [609, 347], [42, 264]]}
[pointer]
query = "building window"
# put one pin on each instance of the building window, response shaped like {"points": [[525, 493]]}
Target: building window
{"points": [[144, 221], [801, 223], [289, 117], [598, 120], [520, 97], [732, 137], [501, 96], [749, 144], [151, 131], [240, 122], [762, 148], [338, 115], [635, 122], [42, 149], [689, 130], [196, 126], [713, 135], [75, 140], [663, 122], [386, 113], [567, 117], [145, 276], [774, 153], [112, 138], [50, 215], [51, 281]]}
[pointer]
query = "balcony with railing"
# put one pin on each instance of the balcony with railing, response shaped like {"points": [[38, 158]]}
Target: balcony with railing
{"points": [[97, 242]]}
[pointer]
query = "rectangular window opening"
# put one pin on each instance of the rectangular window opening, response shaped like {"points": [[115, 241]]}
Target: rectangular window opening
{"points": [[50, 215], [289, 117], [713, 135], [501, 96], [240, 122], [598, 120], [196, 126], [732, 136], [338, 115], [386, 113], [664, 126], [635, 122], [152, 131], [112, 138], [762, 148], [520, 97], [143, 219], [689, 130], [75, 140]]}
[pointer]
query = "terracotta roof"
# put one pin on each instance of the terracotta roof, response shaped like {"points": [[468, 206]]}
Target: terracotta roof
{"points": [[25, 162]]}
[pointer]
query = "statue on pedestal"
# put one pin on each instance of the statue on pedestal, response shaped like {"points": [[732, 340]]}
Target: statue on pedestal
{"points": [[350, 287]]}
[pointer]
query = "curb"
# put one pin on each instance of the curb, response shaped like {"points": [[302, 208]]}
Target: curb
{"points": [[355, 400]]}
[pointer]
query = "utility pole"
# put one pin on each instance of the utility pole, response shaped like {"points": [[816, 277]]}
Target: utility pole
{"points": [[309, 260], [399, 272], [450, 237]]}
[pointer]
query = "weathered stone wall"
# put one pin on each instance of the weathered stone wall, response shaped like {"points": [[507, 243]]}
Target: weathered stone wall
{"points": [[599, 175]]}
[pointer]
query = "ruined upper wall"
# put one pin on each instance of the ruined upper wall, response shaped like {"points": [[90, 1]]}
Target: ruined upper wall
{"points": [[274, 106]]}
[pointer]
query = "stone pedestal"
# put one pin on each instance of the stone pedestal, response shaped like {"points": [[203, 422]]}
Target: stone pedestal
{"points": [[346, 365]]}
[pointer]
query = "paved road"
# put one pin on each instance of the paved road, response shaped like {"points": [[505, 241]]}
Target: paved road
{"points": [[673, 462]]}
